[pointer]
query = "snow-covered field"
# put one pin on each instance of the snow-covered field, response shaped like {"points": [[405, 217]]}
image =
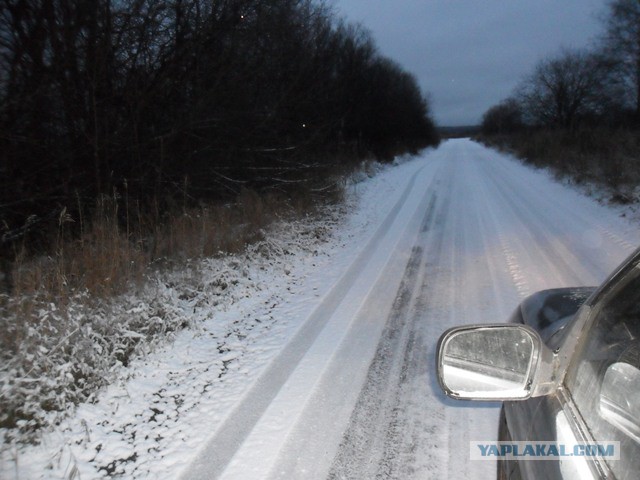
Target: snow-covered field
{"points": [[318, 361]]}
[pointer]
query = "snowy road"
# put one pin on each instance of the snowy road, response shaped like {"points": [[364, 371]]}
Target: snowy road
{"points": [[316, 359], [354, 395]]}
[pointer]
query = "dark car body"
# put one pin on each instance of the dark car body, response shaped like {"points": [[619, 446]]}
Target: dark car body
{"points": [[583, 381], [548, 312]]}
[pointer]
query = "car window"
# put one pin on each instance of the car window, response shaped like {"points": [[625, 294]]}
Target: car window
{"points": [[604, 380]]}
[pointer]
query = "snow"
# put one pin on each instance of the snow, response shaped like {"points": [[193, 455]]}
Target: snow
{"points": [[316, 358]]}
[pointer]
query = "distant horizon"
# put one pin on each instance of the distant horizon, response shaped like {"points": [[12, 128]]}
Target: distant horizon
{"points": [[444, 127], [468, 56]]}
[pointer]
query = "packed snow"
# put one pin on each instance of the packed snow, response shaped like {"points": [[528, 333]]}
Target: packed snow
{"points": [[316, 358]]}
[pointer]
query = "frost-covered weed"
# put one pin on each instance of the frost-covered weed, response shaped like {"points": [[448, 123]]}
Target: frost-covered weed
{"points": [[58, 354]]}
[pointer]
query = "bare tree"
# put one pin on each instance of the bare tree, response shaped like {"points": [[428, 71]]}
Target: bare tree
{"points": [[622, 44], [104, 95], [563, 90], [504, 118]]}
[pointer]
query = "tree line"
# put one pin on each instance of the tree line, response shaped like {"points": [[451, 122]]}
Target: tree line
{"points": [[153, 99], [597, 86]]}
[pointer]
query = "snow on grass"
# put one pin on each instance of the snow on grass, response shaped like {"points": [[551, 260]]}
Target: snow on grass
{"points": [[193, 341]]}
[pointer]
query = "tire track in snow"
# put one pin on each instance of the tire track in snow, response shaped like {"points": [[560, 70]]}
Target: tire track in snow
{"points": [[404, 439], [544, 254], [474, 293], [327, 410], [419, 429], [368, 446], [588, 255], [221, 447]]}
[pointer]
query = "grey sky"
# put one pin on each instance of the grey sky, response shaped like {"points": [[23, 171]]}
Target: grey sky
{"points": [[469, 54]]}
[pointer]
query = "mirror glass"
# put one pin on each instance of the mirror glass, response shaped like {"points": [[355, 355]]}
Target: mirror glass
{"points": [[487, 362], [619, 399]]}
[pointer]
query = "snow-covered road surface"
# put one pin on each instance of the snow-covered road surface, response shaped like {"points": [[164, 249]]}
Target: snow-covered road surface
{"points": [[327, 370], [472, 235]]}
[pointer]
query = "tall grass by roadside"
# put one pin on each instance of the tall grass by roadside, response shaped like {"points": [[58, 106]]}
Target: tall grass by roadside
{"points": [[114, 249], [606, 157], [74, 312]]}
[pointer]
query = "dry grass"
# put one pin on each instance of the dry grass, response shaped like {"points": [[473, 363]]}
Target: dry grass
{"points": [[103, 259], [602, 156], [56, 341], [112, 253]]}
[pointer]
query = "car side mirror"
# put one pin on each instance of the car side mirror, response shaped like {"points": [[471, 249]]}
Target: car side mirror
{"points": [[490, 362]]}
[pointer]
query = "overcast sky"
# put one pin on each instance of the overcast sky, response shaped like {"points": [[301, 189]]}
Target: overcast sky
{"points": [[469, 54]]}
